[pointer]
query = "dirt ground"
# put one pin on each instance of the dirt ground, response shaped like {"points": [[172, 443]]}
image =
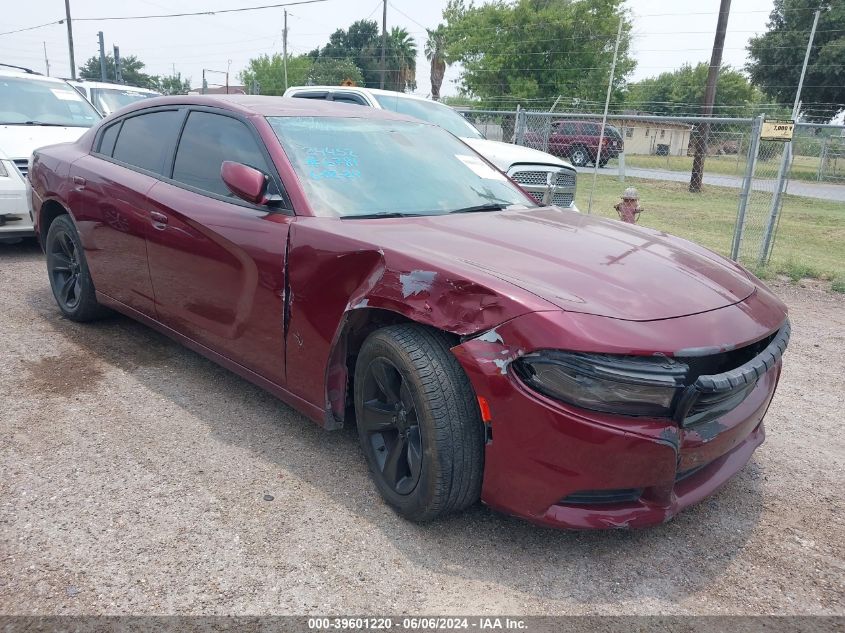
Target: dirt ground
{"points": [[133, 476]]}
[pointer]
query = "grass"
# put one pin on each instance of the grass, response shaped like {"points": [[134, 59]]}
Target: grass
{"points": [[803, 167], [810, 241], [838, 284]]}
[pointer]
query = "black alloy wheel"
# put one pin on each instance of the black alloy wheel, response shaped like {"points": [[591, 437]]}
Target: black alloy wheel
{"points": [[390, 423], [64, 268], [68, 271], [418, 421]]}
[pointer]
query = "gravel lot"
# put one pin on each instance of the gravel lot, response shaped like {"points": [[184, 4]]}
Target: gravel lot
{"points": [[133, 474]]}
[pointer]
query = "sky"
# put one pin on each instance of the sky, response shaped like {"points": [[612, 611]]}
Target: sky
{"points": [[667, 33]]}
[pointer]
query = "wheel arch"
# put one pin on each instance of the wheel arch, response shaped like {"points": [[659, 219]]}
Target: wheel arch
{"points": [[50, 210], [356, 325]]}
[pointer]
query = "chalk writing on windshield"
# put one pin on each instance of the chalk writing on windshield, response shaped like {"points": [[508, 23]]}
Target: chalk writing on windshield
{"points": [[331, 163]]}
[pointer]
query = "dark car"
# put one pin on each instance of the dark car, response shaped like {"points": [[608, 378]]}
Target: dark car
{"points": [[372, 270], [578, 141]]}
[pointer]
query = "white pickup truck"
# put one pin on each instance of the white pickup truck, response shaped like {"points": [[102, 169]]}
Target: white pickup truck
{"points": [[34, 111], [548, 179]]}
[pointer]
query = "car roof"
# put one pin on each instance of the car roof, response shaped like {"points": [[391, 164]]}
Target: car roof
{"points": [[362, 90], [6, 71], [272, 106], [106, 84]]}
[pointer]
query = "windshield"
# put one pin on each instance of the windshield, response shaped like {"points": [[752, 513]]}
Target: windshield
{"points": [[431, 112], [110, 99], [34, 102], [361, 167]]}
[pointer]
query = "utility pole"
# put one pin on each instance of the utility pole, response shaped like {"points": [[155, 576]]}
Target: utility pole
{"points": [[383, 40], [103, 75], [70, 40], [285, 48], [204, 83], [118, 72], [703, 132], [46, 61]]}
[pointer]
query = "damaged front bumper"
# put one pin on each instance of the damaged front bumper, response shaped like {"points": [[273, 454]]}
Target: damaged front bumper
{"points": [[562, 466]]}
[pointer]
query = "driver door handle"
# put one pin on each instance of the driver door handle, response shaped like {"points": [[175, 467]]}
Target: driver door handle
{"points": [[159, 220]]}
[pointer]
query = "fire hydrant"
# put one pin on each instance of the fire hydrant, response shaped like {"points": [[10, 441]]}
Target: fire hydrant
{"points": [[629, 209]]}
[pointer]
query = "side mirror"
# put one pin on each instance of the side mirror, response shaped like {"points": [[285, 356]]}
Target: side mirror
{"points": [[246, 182]]}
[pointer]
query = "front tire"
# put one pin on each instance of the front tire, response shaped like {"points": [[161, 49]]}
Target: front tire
{"points": [[418, 422], [67, 269]]}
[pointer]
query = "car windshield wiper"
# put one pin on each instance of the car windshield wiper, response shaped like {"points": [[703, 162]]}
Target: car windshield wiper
{"points": [[392, 214], [35, 123], [488, 206]]}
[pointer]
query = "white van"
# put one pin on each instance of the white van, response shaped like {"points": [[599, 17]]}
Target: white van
{"points": [[108, 98], [546, 178], [34, 111]]}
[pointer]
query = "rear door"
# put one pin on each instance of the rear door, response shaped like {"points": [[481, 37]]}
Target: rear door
{"points": [[218, 263], [109, 201]]}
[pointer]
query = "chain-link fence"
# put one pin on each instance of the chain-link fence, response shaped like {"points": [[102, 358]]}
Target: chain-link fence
{"points": [[723, 152]]}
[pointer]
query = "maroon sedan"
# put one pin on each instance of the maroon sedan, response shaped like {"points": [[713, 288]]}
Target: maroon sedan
{"points": [[370, 269]]}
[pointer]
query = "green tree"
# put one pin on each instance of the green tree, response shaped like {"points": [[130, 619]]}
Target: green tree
{"points": [[776, 57], [435, 53], [130, 67], [681, 91], [400, 61], [361, 43], [269, 72], [538, 49], [328, 71], [171, 84]]}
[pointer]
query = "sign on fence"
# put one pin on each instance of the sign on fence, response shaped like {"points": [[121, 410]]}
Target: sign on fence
{"points": [[777, 130]]}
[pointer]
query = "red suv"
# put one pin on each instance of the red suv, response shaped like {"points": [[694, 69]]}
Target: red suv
{"points": [[578, 141]]}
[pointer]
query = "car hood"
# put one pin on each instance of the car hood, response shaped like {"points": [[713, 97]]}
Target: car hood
{"points": [[576, 262], [505, 155], [19, 141]]}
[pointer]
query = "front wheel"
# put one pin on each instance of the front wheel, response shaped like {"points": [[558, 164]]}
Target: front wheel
{"points": [[70, 279], [418, 422]]}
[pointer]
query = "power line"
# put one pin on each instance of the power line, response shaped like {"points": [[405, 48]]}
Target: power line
{"points": [[32, 28], [193, 13]]}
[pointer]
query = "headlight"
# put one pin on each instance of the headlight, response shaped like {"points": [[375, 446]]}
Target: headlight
{"points": [[628, 385], [3, 172]]}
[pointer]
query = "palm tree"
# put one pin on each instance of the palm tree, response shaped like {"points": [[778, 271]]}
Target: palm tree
{"points": [[435, 53], [402, 60]]}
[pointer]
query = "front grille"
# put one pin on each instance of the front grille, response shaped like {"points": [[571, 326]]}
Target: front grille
{"points": [[530, 177], [600, 497], [563, 199], [534, 180], [23, 166]]}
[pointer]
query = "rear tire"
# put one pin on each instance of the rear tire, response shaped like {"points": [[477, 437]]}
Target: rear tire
{"points": [[67, 269], [418, 422]]}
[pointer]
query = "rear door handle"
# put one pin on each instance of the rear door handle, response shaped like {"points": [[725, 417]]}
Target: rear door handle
{"points": [[159, 220]]}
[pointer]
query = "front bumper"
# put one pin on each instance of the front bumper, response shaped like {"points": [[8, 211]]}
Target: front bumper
{"points": [[15, 218], [561, 466]]}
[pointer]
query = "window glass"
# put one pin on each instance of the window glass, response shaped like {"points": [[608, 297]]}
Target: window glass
{"points": [[147, 140], [108, 138], [430, 112], [589, 129], [348, 98], [36, 102], [110, 99], [207, 141], [359, 166], [567, 128]]}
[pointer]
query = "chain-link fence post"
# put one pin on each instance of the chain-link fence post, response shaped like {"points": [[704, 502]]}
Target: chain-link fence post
{"points": [[519, 135], [777, 202], [750, 165]]}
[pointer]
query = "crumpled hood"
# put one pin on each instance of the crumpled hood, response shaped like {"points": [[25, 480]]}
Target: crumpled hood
{"points": [[578, 263], [19, 141], [503, 155]]}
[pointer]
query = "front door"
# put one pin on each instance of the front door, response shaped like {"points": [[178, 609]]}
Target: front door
{"points": [[217, 263]]}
